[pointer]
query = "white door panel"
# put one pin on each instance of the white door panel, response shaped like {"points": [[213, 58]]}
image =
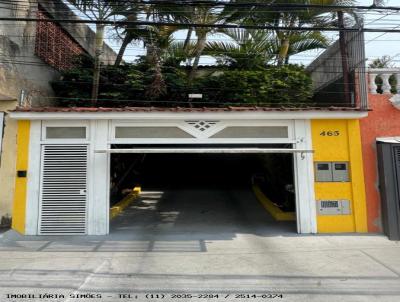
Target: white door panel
{"points": [[63, 192]]}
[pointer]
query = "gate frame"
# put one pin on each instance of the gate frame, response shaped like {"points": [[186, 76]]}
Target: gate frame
{"points": [[299, 136]]}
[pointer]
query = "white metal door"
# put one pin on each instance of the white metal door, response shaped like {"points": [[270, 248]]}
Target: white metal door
{"points": [[63, 190]]}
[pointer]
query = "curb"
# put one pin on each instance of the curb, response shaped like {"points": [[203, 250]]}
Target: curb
{"points": [[124, 203], [275, 212]]}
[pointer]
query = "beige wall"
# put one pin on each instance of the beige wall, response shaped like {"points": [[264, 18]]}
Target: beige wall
{"points": [[22, 70], [7, 161]]}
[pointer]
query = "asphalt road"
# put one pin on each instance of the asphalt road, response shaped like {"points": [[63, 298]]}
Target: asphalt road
{"points": [[181, 244]]}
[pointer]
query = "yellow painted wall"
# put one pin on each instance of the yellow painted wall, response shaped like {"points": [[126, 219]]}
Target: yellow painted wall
{"points": [[344, 147], [19, 208], [8, 160]]}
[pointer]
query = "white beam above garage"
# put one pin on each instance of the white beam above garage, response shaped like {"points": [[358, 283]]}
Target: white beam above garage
{"points": [[205, 150]]}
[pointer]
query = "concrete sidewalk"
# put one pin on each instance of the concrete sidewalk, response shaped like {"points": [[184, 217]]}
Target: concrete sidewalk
{"points": [[165, 259]]}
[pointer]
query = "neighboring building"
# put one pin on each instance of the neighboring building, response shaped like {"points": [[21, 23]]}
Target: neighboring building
{"points": [[381, 126], [32, 54]]}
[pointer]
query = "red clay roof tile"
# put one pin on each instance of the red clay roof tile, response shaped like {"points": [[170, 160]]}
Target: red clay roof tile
{"points": [[179, 109]]}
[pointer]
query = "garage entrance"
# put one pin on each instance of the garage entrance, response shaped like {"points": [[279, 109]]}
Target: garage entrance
{"points": [[221, 149], [202, 192], [219, 140]]}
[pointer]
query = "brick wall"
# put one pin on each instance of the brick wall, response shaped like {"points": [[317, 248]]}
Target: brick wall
{"points": [[54, 45]]}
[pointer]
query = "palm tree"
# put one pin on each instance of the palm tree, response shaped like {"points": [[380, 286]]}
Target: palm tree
{"points": [[248, 49], [100, 10], [295, 17], [127, 36], [129, 33], [158, 42], [251, 49], [300, 42], [198, 14]]}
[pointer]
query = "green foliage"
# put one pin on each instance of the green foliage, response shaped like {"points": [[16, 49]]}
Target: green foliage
{"points": [[128, 85], [274, 86], [382, 62]]}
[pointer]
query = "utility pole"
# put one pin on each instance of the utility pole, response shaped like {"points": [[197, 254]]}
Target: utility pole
{"points": [[97, 62], [345, 62]]}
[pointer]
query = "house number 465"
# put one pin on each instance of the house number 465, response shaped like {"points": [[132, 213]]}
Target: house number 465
{"points": [[330, 133]]}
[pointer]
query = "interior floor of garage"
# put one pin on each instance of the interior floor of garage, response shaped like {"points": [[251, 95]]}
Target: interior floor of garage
{"points": [[215, 212], [197, 194]]}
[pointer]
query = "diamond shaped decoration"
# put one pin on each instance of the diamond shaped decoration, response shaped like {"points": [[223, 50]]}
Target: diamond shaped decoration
{"points": [[202, 125]]}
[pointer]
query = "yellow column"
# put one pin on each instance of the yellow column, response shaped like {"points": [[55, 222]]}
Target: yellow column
{"points": [[357, 176], [343, 144], [19, 208]]}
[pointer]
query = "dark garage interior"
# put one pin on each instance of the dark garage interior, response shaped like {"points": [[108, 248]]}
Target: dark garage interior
{"points": [[202, 192]]}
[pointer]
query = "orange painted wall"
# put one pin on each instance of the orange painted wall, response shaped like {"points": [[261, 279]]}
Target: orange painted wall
{"points": [[382, 121]]}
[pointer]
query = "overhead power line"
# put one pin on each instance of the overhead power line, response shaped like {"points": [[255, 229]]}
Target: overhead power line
{"points": [[248, 4], [269, 5], [275, 6], [202, 25]]}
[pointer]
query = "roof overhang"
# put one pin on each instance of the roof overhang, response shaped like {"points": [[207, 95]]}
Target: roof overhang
{"points": [[168, 115]]}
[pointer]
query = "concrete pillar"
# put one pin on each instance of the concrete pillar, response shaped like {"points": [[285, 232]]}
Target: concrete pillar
{"points": [[98, 207], [305, 196]]}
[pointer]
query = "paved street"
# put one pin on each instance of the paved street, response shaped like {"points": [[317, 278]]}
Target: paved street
{"points": [[201, 242]]}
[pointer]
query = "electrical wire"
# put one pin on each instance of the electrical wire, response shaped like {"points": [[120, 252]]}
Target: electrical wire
{"points": [[277, 6], [203, 25], [113, 22]]}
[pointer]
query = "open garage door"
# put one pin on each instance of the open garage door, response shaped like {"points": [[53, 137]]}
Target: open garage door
{"points": [[228, 137], [195, 187]]}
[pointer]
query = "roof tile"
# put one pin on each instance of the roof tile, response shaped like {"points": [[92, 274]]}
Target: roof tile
{"points": [[180, 109]]}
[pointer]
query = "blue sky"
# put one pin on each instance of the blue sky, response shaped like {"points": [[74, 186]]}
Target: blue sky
{"points": [[377, 44]]}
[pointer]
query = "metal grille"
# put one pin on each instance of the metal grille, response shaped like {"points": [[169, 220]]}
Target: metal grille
{"points": [[63, 194], [397, 155], [326, 70]]}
